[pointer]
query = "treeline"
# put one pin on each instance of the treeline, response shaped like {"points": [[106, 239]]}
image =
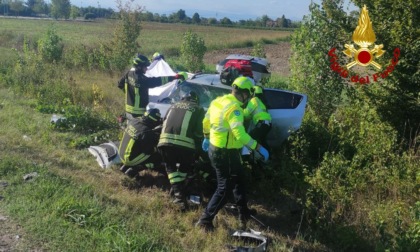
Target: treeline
{"points": [[62, 9]]}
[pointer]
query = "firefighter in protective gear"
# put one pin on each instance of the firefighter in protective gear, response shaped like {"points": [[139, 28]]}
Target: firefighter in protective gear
{"points": [[181, 135], [136, 86], [157, 56], [137, 149], [225, 136], [260, 119]]}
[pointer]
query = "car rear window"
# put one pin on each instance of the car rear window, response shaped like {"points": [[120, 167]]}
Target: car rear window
{"points": [[205, 93]]}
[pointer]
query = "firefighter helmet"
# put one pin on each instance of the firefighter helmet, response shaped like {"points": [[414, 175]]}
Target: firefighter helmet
{"points": [[258, 89], [141, 61], [243, 83]]}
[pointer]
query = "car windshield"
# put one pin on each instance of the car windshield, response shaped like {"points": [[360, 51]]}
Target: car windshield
{"points": [[205, 93]]}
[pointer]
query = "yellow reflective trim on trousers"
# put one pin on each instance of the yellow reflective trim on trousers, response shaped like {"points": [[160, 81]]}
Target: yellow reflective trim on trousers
{"points": [[204, 174], [177, 174], [177, 177], [150, 165], [176, 180]]}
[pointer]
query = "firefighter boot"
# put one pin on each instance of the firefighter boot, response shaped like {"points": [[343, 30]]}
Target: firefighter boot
{"points": [[180, 200]]}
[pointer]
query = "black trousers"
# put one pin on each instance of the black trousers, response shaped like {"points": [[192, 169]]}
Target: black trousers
{"points": [[171, 155], [230, 178]]}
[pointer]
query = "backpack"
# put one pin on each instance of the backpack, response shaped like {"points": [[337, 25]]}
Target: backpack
{"points": [[234, 68]]}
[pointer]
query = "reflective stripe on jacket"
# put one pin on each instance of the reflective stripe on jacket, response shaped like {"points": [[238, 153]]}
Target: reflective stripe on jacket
{"points": [[182, 125], [136, 87], [256, 111], [138, 142], [224, 122]]}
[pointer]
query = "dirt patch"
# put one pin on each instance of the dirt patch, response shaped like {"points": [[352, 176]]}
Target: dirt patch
{"points": [[277, 55], [9, 234]]}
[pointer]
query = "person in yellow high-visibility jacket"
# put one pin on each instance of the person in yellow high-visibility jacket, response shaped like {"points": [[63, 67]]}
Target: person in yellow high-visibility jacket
{"points": [[225, 136], [260, 120]]}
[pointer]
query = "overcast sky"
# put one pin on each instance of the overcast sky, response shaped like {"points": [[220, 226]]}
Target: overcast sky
{"points": [[232, 9]]}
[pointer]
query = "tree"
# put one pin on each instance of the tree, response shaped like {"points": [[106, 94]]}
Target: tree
{"points": [[16, 6], [226, 21], [156, 17], [74, 12], [124, 42], [60, 9], [264, 20], [397, 25], [164, 18], [368, 144], [30, 4], [310, 65], [193, 49], [181, 16], [196, 18], [40, 7], [211, 21]]}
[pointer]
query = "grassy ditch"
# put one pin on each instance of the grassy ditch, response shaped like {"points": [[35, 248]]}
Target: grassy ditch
{"points": [[73, 205]]}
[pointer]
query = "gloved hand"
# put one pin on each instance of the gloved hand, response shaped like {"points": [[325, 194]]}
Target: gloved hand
{"points": [[205, 145], [179, 77], [263, 152]]}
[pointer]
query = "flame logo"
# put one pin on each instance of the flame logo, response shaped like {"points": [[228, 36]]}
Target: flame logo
{"points": [[364, 36]]}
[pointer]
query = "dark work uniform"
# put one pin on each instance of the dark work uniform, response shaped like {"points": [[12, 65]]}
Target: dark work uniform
{"points": [[139, 141], [179, 141], [136, 87]]}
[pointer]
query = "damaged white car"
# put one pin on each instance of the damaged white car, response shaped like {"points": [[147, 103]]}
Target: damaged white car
{"points": [[286, 108]]}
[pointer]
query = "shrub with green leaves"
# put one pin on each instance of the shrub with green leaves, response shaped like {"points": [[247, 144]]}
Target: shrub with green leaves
{"points": [[124, 44], [359, 144], [193, 49], [51, 46]]}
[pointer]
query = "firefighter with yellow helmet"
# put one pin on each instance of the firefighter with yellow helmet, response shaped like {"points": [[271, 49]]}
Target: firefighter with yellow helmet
{"points": [[225, 136], [260, 120]]}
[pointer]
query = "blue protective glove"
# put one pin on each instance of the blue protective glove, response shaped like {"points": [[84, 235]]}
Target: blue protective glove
{"points": [[205, 145], [263, 152]]}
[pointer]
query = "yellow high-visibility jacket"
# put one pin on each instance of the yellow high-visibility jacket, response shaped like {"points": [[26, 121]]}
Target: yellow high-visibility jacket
{"points": [[223, 124], [256, 111]]}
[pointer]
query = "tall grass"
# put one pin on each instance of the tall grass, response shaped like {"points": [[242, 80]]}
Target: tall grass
{"points": [[73, 205]]}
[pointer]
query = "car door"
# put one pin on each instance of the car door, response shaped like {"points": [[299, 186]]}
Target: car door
{"points": [[287, 110]]}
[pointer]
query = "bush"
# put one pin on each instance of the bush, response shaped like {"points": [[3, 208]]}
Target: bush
{"points": [[51, 46], [193, 49], [89, 16]]}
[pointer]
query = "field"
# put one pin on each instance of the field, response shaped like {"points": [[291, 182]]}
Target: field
{"points": [[347, 180], [154, 36], [92, 206]]}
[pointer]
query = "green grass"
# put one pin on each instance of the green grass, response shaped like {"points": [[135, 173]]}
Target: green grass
{"points": [[73, 205]]}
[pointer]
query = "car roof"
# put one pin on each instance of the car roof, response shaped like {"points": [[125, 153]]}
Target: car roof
{"points": [[208, 80]]}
